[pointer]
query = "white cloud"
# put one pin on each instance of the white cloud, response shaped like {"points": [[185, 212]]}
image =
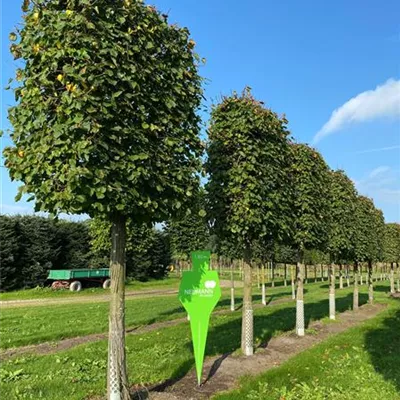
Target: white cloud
{"points": [[382, 102], [382, 184], [378, 171], [376, 150]]}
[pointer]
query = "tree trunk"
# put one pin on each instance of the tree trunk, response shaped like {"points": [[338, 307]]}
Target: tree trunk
{"points": [[332, 304], [348, 275], [392, 290], [263, 300], [340, 276], [285, 272], [247, 313], [370, 284], [117, 378], [305, 273], [232, 289], [272, 274], [292, 280], [258, 276], [355, 290], [300, 299], [322, 272]]}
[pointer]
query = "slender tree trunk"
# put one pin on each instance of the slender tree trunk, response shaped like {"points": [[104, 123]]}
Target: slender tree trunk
{"points": [[247, 313], [300, 324], [232, 289], [392, 290], [292, 280], [315, 272], [263, 300], [258, 276], [305, 273], [332, 303], [361, 276], [398, 277], [340, 276], [322, 272], [355, 290], [272, 274], [370, 284], [348, 275], [285, 272], [117, 378]]}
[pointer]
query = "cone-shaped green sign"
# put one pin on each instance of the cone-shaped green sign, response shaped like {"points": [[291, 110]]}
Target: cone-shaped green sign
{"points": [[199, 293]]}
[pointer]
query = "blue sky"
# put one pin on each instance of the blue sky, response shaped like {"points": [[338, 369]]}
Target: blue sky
{"points": [[306, 59]]}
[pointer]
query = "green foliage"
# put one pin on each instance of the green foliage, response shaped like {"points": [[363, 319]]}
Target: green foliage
{"points": [[370, 230], [391, 246], [9, 252], [147, 249], [190, 232], [75, 251], [310, 182], [342, 229], [106, 118], [31, 246], [314, 256], [247, 158]]}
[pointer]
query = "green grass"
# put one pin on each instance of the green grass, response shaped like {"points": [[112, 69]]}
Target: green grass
{"points": [[164, 354], [362, 363], [47, 292], [31, 325]]}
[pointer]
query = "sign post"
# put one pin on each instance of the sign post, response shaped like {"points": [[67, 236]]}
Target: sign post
{"points": [[199, 293]]}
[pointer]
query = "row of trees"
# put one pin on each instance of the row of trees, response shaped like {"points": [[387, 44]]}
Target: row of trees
{"points": [[107, 123], [264, 189]]}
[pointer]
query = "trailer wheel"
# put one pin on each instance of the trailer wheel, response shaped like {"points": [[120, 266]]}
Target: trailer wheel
{"points": [[75, 286], [107, 284]]}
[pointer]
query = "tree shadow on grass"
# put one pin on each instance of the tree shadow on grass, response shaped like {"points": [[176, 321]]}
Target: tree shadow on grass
{"points": [[225, 303], [224, 339], [383, 345], [381, 288]]}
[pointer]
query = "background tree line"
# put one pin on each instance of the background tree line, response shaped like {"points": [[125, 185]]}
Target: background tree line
{"points": [[32, 245]]}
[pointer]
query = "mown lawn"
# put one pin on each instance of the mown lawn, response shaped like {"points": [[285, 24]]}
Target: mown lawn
{"points": [[31, 325], [361, 363], [167, 353], [47, 292]]}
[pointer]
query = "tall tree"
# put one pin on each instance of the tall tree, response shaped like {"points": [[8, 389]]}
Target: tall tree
{"points": [[369, 237], [310, 182], [106, 124], [343, 197], [247, 157], [391, 249]]}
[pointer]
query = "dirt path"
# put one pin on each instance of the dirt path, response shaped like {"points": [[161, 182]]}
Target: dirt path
{"points": [[140, 294], [222, 373], [54, 347]]}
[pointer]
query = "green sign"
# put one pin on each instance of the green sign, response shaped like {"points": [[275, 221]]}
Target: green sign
{"points": [[199, 293]]}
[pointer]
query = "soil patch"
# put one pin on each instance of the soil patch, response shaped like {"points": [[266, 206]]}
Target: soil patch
{"points": [[222, 373]]}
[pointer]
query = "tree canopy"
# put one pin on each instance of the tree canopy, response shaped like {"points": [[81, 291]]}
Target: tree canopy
{"points": [[247, 158], [310, 211], [106, 99]]}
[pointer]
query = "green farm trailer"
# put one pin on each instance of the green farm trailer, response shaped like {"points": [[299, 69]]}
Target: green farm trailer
{"points": [[72, 279]]}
